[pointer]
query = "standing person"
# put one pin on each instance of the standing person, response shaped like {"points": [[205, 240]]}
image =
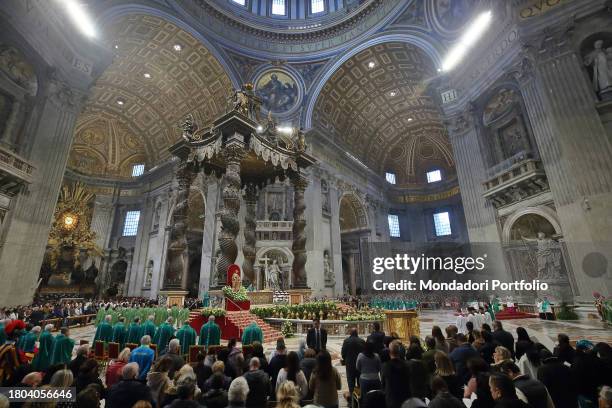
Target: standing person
{"points": [[81, 357], [113, 370], [529, 389], [377, 337], [442, 398], [158, 379], [564, 350], [352, 346], [62, 347], [186, 335], [128, 390], [89, 374], [446, 371], [134, 332], [503, 337], [148, 328], [174, 354], [29, 340], [119, 332], [441, 344], [461, 355], [504, 392], [144, 356], [368, 365], [558, 379], [395, 377], [277, 362], [259, 385], [237, 393], [163, 334], [308, 363], [104, 331], [316, 337], [210, 333], [523, 343], [42, 360], [325, 382], [8, 353], [252, 333], [292, 372]]}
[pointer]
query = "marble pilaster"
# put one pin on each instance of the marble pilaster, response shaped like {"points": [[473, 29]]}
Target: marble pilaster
{"points": [[336, 239], [208, 241]]}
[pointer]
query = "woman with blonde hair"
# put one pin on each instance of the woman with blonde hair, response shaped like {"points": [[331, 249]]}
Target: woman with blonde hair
{"points": [[287, 395], [501, 354], [446, 371], [113, 371]]}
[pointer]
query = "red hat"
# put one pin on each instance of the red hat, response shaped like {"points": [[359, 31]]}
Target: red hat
{"points": [[15, 324]]}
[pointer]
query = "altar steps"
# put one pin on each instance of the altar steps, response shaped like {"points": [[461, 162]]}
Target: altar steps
{"points": [[233, 324], [508, 315]]}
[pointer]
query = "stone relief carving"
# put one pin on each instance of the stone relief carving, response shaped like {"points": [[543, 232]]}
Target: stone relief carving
{"points": [[328, 270], [14, 66], [599, 60]]}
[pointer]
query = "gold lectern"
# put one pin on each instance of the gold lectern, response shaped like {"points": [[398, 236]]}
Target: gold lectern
{"points": [[404, 323]]}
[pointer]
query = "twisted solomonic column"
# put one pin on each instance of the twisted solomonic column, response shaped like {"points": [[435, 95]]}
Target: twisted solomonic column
{"points": [[248, 249], [298, 248], [230, 225]]}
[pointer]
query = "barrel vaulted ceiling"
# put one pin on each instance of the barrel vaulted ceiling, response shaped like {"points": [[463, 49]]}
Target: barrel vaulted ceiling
{"points": [[375, 104], [133, 111]]}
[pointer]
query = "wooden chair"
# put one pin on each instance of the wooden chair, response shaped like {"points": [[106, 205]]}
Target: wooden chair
{"points": [[100, 354], [131, 346], [154, 348], [113, 350], [193, 352]]}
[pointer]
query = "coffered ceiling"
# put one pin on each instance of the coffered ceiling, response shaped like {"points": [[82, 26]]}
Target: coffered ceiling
{"points": [[376, 106], [160, 74]]}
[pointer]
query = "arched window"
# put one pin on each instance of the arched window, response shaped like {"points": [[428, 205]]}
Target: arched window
{"points": [[317, 6], [279, 8]]}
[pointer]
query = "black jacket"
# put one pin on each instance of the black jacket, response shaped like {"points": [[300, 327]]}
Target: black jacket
{"points": [[277, 362], [311, 339], [534, 390], [445, 400], [203, 373], [126, 393], [419, 379], [214, 399], [511, 403], [395, 377], [259, 387], [557, 378], [378, 338], [351, 347], [505, 339]]}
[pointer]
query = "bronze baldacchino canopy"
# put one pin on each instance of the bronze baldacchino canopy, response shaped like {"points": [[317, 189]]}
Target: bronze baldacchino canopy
{"points": [[249, 153]]}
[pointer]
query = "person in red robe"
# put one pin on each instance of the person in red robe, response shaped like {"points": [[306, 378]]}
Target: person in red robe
{"points": [[8, 352]]}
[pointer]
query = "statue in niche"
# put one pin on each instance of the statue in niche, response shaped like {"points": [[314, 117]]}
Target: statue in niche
{"points": [[156, 217], [548, 256], [17, 69], [598, 60], [499, 105], [149, 274], [325, 195], [273, 275], [328, 270]]}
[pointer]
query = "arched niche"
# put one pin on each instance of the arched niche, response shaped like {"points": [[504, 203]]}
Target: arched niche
{"points": [[353, 214], [527, 221]]}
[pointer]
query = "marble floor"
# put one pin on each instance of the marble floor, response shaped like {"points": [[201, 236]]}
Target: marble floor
{"points": [[544, 331]]}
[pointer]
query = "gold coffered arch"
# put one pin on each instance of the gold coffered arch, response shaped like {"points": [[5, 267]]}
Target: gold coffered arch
{"points": [[377, 106], [160, 74]]}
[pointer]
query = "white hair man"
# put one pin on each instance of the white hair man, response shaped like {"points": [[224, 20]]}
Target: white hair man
{"points": [[128, 390], [104, 332], [174, 353], [210, 333], [237, 393], [144, 356]]}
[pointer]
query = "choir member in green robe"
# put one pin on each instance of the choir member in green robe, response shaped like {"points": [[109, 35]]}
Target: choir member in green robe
{"points": [[164, 333], [104, 332], [134, 332], [62, 347], [148, 328], [251, 334], [187, 337], [119, 332], [210, 333], [28, 343], [42, 360]]}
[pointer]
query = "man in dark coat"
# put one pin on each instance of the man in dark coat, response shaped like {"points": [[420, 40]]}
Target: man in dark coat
{"points": [[129, 390], [460, 356], [395, 378], [378, 338], [259, 385], [502, 337], [535, 393], [558, 379], [351, 347], [316, 337]]}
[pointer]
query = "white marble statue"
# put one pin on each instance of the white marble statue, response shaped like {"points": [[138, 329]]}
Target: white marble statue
{"points": [[273, 273], [598, 61], [330, 278], [548, 256]]}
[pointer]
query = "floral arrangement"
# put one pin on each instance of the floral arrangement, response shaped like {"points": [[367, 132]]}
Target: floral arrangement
{"points": [[324, 310], [364, 315], [287, 329], [241, 295], [566, 312], [214, 311]]}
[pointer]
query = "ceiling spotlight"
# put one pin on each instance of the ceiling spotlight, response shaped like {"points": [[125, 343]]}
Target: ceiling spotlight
{"points": [[371, 64], [285, 129], [473, 33], [120, 102], [409, 119], [79, 17], [116, 46], [177, 47], [392, 94], [259, 129], [147, 75]]}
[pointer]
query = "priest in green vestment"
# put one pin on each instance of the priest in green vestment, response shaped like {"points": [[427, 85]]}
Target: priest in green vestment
{"points": [[119, 332], [28, 343], [164, 333], [134, 332], [210, 333], [148, 328], [42, 360], [104, 332], [187, 337], [251, 334], [62, 348]]}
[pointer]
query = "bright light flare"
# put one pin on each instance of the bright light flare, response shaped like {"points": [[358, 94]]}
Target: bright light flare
{"points": [[285, 129], [467, 40], [79, 17]]}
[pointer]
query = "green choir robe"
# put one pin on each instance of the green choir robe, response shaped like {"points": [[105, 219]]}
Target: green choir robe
{"points": [[252, 333], [28, 342], [104, 332], [62, 350], [42, 360], [210, 334], [148, 328], [187, 337], [119, 334], [163, 335], [134, 333]]}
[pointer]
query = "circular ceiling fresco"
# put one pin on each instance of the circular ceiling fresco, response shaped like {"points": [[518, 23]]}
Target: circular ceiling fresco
{"points": [[160, 74], [376, 106]]}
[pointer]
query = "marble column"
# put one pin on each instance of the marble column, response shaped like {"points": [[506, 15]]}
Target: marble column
{"points": [[230, 224], [336, 238], [248, 248], [29, 222], [575, 152], [102, 222], [298, 270], [208, 240]]}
